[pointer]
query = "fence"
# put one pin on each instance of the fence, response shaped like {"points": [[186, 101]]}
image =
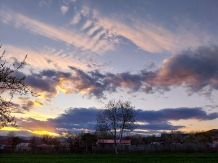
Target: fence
{"points": [[151, 148]]}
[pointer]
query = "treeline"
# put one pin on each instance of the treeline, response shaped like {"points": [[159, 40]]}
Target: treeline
{"points": [[173, 141], [67, 143]]}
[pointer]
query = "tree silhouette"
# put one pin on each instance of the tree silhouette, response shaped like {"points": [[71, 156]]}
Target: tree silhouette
{"points": [[88, 140], [11, 84], [117, 118]]}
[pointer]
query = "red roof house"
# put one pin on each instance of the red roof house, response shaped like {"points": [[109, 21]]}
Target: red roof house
{"points": [[111, 141]]}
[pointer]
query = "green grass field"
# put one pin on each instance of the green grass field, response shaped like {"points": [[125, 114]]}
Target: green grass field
{"points": [[110, 158]]}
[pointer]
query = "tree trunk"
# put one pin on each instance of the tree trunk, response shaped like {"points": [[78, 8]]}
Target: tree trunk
{"points": [[115, 148], [86, 148]]}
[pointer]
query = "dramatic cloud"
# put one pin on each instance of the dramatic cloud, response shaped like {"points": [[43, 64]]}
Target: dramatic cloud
{"points": [[194, 69], [25, 104], [76, 118], [72, 119], [35, 126], [152, 116], [197, 71], [46, 82], [85, 118]]}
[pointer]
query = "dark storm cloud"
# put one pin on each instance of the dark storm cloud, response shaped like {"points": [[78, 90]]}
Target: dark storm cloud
{"points": [[85, 118], [174, 114]]}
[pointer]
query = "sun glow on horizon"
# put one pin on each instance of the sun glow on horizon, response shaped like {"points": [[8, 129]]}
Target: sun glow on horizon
{"points": [[37, 132], [43, 132], [35, 115], [10, 129]]}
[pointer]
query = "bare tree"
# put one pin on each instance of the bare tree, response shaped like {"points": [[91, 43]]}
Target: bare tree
{"points": [[33, 143], [203, 137], [10, 84], [116, 119], [47, 139], [152, 138], [73, 141], [174, 138], [88, 139], [13, 140]]}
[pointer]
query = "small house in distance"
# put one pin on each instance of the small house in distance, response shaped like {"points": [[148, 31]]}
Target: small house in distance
{"points": [[107, 145], [111, 142]]}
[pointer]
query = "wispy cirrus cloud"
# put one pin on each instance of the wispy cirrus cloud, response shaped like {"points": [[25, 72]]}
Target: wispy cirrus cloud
{"points": [[64, 9], [44, 3], [104, 31], [70, 37], [76, 18], [150, 36], [47, 58]]}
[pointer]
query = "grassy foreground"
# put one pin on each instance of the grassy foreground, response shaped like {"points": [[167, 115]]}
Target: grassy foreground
{"points": [[109, 158]]}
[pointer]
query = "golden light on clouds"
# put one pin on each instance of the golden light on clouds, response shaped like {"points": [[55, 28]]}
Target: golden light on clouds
{"points": [[62, 89], [36, 116], [66, 86], [37, 103], [85, 91], [46, 95], [9, 129], [141, 130], [43, 132], [36, 132], [42, 95]]}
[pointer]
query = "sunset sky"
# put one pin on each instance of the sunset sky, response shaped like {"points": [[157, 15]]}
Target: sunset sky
{"points": [[162, 55]]}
